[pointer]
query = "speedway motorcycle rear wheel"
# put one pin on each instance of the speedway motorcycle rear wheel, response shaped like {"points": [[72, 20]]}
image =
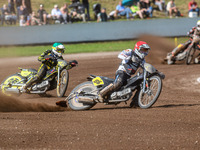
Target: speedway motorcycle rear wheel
{"points": [[8, 82], [149, 97], [73, 102], [63, 83]]}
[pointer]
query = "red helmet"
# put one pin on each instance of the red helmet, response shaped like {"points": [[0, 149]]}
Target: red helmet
{"points": [[141, 49]]}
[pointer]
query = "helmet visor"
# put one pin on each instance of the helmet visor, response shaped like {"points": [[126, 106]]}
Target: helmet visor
{"points": [[144, 50], [61, 50]]}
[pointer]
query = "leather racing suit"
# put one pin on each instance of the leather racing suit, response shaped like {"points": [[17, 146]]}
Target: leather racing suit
{"points": [[129, 65], [49, 60]]}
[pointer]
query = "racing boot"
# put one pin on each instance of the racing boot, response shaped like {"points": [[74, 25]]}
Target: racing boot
{"points": [[170, 59], [104, 92]]}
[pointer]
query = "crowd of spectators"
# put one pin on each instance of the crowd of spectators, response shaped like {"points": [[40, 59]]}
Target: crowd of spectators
{"points": [[20, 11]]}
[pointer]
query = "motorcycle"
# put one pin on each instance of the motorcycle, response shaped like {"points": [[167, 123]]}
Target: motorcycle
{"points": [[192, 49], [147, 85], [55, 78], [187, 54]]}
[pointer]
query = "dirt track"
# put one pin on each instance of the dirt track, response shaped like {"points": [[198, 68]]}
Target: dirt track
{"points": [[36, 123]]}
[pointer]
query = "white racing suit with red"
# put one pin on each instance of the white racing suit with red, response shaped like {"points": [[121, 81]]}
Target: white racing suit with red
{"points": [[179, 53], [129, 65]]}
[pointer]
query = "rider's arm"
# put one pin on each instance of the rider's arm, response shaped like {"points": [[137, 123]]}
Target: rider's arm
{"points": [[125, 55], [42, 56], [191, 32]]}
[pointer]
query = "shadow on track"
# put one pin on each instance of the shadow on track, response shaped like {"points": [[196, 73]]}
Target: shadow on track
{"points": [[176, 105]]}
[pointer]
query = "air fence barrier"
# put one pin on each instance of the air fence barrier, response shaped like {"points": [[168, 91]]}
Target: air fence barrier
{"points": [[93, 32]]}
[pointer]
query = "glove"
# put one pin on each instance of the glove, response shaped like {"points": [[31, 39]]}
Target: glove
{"points": [[47, 59], [73, 63]]}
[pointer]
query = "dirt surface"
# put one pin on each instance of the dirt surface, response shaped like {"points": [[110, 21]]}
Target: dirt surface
{"points": [[34, 122]]}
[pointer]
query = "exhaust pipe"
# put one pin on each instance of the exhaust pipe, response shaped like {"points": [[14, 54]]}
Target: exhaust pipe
{"points": [[85, 100], [13, 90]]}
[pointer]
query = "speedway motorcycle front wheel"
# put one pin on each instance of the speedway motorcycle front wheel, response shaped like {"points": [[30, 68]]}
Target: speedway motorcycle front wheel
{"points": [[149, 97], [63, 83]]}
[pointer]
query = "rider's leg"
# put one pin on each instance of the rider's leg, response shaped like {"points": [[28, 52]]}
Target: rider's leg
{"points": [[177, 50], [40, 74], [181, 47], [120, 79]]}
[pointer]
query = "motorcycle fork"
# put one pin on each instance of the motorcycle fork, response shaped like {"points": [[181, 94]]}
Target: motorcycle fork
{"points": [[145, 86], [144, 81], [58, 80]]}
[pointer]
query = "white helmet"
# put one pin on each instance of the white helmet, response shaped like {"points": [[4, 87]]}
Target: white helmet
{"points": [[58, 49], [198, 25]]}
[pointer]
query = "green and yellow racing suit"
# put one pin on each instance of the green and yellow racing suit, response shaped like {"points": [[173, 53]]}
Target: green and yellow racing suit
{"points": [[49, 60]]}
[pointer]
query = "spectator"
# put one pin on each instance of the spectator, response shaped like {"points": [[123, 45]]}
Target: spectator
{"points": [[75, 1], [43, 15], [192, 6], [27, 3], [6, 16], [22, 21], [34, 19], [11, 7], [78, 13], [23, 12], [136, 11], [145, 8], [4, 13], [122, 11], [86, 6], [56, 14], [97, 10], [65, 14], [102, 17], [18, 3], [171, 8], [159, 4]]}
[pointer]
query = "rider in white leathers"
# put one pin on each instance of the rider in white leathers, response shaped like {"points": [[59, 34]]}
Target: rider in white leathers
{"points": [[131, 60]]}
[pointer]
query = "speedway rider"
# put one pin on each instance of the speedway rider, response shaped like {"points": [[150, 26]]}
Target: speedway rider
{"points": [[48, 60], [181, 49], [131, 61]]}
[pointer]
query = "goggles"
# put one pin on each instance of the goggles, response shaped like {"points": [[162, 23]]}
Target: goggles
{"points": [[144, 50], [60, 50]]}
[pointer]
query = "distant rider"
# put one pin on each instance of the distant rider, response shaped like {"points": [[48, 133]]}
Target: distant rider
{"points": [[48, 60], [181, 50], [131, 60]]}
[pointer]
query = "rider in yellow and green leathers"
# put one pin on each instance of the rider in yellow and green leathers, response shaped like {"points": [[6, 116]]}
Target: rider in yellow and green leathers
{"points": [[48, 60]]}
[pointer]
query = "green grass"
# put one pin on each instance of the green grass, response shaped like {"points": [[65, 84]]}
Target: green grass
{"points": [[73, 48]]}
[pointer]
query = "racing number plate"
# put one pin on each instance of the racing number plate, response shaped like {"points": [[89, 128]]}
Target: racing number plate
{"points": [[97, 81]]}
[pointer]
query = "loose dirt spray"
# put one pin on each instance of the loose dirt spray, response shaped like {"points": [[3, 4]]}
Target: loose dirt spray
{"points": [[11, 104], [159, 48]]}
